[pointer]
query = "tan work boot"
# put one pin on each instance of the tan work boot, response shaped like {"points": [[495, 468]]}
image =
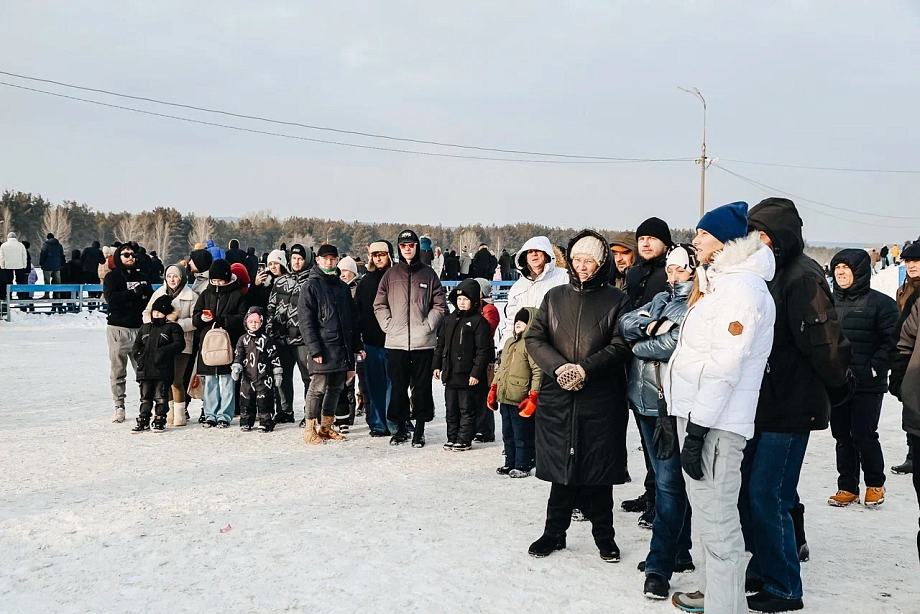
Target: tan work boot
{"points": [[310, 435], [875, 496], [170, 413], [843, 498], [178, 415], [326, 430]]}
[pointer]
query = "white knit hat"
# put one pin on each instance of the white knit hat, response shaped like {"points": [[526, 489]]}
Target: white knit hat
{"points": [[683, 255], [590, 246], [348, 264], [278, 256]]}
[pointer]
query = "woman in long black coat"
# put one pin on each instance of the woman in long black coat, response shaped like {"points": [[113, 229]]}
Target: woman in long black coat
{"points": [[581, 413]]}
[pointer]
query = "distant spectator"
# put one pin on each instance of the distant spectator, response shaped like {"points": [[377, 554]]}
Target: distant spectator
{"points": [[216, 252], [91, 259], [13, 257], [51, 259], [235, 255], [156, 268], [252, 263]]}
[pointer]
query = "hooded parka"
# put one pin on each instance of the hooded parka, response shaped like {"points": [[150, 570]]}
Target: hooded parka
{"points": [[529, 290], [581, 436], [518, 374]]}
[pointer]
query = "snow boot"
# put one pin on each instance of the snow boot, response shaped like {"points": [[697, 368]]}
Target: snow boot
{"points": [[309, 433], [401, 435], [546, 545], [143, 424], [843, 498], [180, 416], [875, 496], [656, 587], [327, 430], [119, 416], [609, 551], [170, 413], [768, 603], [679, 566], [518, 473], [418, 437], [159, 423], [637, 505], [647, 519], [689, 602]]}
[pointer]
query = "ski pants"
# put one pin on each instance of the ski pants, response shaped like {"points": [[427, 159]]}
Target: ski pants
{"points": [[256, 397], [154, 396]]}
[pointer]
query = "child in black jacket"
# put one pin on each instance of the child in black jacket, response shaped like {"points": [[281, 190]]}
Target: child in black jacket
{"points": [[257, 366], [461, 358], [155, 348]]}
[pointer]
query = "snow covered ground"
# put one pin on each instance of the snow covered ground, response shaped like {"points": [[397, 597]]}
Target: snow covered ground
{"points": [[95, 519]]}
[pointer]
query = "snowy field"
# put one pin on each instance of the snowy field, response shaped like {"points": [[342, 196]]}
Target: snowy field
{"points": [[95, 519]]}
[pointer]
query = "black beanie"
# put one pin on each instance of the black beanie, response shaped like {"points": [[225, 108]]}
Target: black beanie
{"points": [[299, 250], [911, 252], [163, 304], [220, 269], [522, 316], [202, 259], [655, 227], [327, 250]]}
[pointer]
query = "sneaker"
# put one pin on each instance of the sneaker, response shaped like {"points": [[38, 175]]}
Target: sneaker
{"points": [[656, 587], [843, 498], [159, 424], [400, 437], [418, 436], [284, 419], [119, 416], [462, 447], [685, 567], [875, 496], [609, 551], [904, 468], [379, 433], [546, 545], [647, 519], [223, 425], [689, 602], [499, 471], [449, 446], [752, 586], [518, 473], [578, 516], [636, 505], [303, 422], [141, 426], [267, 427], [201, 418], [765, 602], [804, 553], [209, 424], [245, 427]]}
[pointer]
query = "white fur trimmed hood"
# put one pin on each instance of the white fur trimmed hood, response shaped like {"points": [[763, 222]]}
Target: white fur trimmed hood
{"points": [[747, 255]]}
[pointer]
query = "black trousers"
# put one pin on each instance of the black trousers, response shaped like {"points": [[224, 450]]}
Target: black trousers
{"points": [[595, 501], [410, 369], [293, 355], [649, 469], [485, 417], [854, 426], [345, 410], [255, 398], [462, 410], [155, 395]]}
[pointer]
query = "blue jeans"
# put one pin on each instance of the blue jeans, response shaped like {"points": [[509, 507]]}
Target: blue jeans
{"points": [[769, 479], [219, 398], [518, 436], [378, 387], [671, 541]]}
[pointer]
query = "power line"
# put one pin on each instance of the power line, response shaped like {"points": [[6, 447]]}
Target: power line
{"points": [[339, 130], [827, 168], [771, 190]]}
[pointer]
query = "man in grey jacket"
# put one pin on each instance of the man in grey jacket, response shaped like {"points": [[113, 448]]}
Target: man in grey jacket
{"points": [[409, 307]]}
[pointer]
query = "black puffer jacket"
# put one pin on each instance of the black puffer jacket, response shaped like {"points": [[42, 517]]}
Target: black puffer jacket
{"points": [[644, 280], [465, 346], [328, 322], [581, 436], [155, 347], [227, 305], [810, 354], [869, 318], [282, 308], [484, 264], [91, 258], [126, 292]]}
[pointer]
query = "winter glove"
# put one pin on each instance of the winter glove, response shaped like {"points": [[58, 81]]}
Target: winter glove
{"points": [[492, 400], [843, 393], [236, 369], [142, 290], [528, 405], [665, 437], [279, 378], [570, 377], [691, 456]]}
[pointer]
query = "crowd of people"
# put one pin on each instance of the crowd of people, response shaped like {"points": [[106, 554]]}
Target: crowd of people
{"points": [[729, 352]]}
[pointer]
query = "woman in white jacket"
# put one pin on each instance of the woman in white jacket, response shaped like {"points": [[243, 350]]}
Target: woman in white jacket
{"points": [[183, 302], [536, 261], [712, 385]]}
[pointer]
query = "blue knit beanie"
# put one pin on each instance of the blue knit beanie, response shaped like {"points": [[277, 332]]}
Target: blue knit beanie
{"points": [[726, 223]]}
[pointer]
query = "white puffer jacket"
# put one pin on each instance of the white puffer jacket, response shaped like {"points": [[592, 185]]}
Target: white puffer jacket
{"points": [[528, 292], [715, 373], [13, 255]]}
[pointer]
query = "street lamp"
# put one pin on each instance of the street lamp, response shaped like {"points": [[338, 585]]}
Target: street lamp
{"points": [[703, 161]]}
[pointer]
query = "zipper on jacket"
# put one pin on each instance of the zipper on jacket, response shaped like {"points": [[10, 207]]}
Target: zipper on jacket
{"points": [[581, 307], [409, 310]]}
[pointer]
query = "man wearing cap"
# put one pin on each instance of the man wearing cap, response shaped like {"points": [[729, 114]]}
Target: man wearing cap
{"points": [[409, 307], [375, 361], [284, 330], [624, 248]]}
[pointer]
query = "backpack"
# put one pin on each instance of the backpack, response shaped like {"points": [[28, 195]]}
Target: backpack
{"points": [[216, 349]]}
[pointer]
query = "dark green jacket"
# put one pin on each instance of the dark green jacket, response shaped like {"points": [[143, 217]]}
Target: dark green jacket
{"points": [[517, 375]]}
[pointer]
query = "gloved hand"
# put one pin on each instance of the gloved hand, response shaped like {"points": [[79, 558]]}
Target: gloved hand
{"points": [[665, 437], [236, 369], [142, 289], [570, 377], [691, 456], [528, 405], [279, 378], [492, 400], [844, 392]]}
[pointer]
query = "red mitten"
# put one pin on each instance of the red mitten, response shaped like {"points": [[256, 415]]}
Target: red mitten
{"points": [[528, 405], [492, 401]]}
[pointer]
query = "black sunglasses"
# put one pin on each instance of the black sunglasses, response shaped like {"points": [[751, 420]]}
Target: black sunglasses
{"points": [[127, 254]]}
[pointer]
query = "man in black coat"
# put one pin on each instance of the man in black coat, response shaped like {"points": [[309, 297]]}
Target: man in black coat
{"points": [[156, 268], [869, 318], [328, 323], [483, 264], [581, 414], [252, 263], [505, 264], [807, 373], [235, 255], [451, 267]]}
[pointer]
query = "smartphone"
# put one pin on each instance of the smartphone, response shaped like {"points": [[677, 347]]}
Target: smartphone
{"points": [[207, 312]]}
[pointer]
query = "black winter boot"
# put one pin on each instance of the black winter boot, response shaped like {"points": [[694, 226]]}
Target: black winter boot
{"points": [[143, 424], [418, 437], [798, 525], [400, 436], [201, 418], [765, 602], [656, 587], [159, 423], [546, 545], [609, 551], [640, 504]]}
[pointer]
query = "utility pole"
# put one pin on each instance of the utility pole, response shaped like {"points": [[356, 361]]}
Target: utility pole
{"points": [[703, 161]]}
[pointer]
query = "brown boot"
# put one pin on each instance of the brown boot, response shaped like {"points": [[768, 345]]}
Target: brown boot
{"points": [[326, 431], [310, 435]]}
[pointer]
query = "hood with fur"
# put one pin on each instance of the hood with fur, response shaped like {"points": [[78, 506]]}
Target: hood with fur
{"points": [[747, 255]]}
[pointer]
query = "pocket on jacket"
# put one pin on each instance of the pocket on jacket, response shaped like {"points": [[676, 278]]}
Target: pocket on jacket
{"points": [[815, 327]]}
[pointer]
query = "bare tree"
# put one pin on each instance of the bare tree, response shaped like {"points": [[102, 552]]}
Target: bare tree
{"points": [[305, 239], [6, 222], [56, 221], [466, 237], [202, 229], [130, 228], [161, 236]]}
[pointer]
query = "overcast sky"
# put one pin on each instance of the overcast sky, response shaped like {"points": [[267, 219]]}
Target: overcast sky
{"points": [[808, 83]]}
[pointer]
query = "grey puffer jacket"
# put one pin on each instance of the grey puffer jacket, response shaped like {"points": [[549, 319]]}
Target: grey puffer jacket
{"points": [[282, 308], [410, 306], [651, 352]]}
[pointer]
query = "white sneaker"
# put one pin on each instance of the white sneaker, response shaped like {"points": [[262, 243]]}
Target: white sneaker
{"points": [[119, 415]]}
